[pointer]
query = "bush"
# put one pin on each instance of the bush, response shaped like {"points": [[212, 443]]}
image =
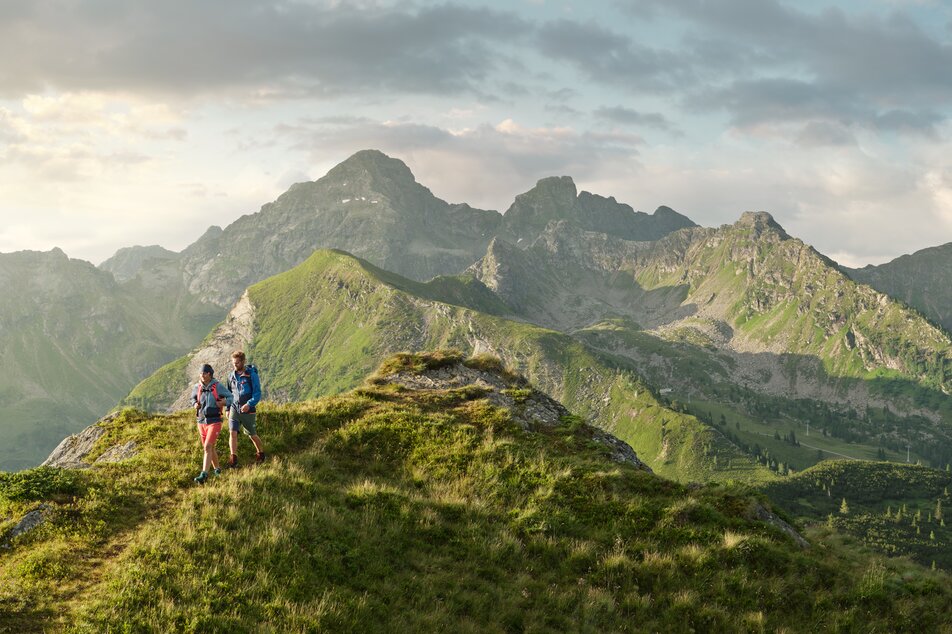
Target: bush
{"points": [[37, 484]]}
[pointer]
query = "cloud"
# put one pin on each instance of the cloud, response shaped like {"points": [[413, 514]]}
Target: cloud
{"points": [[878, 72], [252, 47], [72, 136], [608, 56], [627, 116], [824, 133]]}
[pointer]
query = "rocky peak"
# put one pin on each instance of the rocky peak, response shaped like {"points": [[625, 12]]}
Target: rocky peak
{"points": [[374, 170], [552, 198], [760, 222]]}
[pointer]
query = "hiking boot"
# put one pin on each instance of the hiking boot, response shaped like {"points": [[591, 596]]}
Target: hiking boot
{"points": [[201, 477], [217, 471], [233, 462], [259, 457]]}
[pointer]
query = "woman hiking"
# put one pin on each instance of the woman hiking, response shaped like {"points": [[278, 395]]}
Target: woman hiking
{"points": [[210, 398]]}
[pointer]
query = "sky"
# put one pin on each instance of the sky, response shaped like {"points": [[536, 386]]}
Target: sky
{"points": [[128, 122]]}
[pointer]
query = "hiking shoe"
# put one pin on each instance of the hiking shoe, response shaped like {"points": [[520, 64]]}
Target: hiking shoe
{"points": [[260, 456], [217, 471], [201, 477], [233, 462]]}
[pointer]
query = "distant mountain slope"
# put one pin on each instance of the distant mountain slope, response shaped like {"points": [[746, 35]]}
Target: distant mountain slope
{"points": [[744, 288], [402, 507], [922, 280], [742, 314], [73, 342], [320, 327], [128, 262]]}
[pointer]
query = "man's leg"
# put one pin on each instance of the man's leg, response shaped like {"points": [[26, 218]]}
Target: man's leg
{"points": [[233, 425], [259, 448]]}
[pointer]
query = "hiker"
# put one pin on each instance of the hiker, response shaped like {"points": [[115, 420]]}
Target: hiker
{"points": [[246, 386], [209, 397]]}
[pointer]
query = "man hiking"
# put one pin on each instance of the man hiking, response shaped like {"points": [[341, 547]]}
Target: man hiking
{"points": [[209, 397], [246, 385]]}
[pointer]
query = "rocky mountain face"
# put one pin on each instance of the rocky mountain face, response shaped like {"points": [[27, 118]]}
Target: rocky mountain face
{"points": [[73, 342], [369, 205], [372, 206], [921, 280]]}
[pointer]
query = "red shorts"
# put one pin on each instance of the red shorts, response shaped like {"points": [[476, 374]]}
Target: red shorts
{"points": [[209, 433]]}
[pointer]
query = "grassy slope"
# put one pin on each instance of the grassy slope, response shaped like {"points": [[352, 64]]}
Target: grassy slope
{"points": [[325, 324], [386, 510]]}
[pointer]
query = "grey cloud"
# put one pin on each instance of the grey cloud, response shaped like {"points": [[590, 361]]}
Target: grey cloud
{"points": [[286, 48], [850, 67], [607, 56], [923, 122], [628, 116], [824, 133], [771, 101], [766, 100]]}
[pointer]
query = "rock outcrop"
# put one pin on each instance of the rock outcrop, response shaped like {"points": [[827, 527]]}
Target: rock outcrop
{"points": [[529, 407]]}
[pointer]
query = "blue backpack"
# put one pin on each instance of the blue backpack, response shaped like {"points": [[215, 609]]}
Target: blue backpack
{"points": [[236, 382]]}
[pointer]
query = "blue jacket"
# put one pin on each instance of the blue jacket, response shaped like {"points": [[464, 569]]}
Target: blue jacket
{"points": [[208, 410], [246, 387]]}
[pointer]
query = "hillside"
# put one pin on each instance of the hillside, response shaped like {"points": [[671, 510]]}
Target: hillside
{"points": [[397, 507], [74, 342], [322, 326], [894, 508], [920, 279]]}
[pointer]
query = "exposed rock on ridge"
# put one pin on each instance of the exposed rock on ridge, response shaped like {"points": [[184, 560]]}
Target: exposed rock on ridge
{"points": [[529, 407]]}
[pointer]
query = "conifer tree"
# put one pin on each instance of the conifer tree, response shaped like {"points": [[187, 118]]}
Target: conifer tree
{"points": [[844, 508], [938, 509]]}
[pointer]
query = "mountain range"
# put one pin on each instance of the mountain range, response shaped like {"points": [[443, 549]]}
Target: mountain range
{"points": [[369, 205], [648, 413]]}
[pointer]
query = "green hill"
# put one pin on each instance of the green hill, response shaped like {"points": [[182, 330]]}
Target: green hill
{"points": [[393, 508]]}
